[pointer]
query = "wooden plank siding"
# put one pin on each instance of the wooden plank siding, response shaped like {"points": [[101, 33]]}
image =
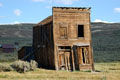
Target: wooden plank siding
{"points": [[43, 45], [57, 43]]}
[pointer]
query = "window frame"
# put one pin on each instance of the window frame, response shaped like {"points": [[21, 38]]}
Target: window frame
{"points": [[66, 26]]}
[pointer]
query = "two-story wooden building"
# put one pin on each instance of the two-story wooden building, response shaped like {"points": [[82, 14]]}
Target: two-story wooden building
{"points": [[63, 41]]}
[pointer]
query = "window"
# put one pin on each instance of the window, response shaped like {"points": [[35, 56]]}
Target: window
{"points": [[64, 47], [80, 31], [63, 32]]}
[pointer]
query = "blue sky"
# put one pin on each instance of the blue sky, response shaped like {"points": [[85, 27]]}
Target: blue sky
{"points": [[26, 11]]}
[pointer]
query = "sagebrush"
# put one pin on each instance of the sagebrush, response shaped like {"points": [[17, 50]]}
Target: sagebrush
{"points": [[4, 68], [24, 66]]}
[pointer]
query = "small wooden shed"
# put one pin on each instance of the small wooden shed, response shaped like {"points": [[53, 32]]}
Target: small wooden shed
{"points": [[8, 48], [25, 53], [63, 41]]}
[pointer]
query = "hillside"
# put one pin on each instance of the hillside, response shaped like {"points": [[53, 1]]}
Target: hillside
{"points": [[106, 45], [21, 33], [106, 37]]}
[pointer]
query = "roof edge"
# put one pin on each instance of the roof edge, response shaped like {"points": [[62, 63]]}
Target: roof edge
{"points": [[45, 21], [72, 7]]}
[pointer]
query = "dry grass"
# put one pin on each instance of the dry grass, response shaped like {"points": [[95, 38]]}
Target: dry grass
{"points": [[108, 71]]}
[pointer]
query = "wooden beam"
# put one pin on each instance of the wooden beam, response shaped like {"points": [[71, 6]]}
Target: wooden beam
{"points": [[73, 63]]}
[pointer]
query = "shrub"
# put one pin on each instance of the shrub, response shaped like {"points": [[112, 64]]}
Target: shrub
{"points": [[33, 65], [5, 68], [24, 66], [21, 66]]}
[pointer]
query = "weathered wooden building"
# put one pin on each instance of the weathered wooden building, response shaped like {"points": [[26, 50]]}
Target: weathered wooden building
{"points": [[63, 41], [8, 48]]}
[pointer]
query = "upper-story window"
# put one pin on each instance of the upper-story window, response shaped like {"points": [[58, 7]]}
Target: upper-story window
{"points": [[63, 30], [80, 30]]}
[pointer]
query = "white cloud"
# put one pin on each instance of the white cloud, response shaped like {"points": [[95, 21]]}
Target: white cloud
{"points": [[99, 20], [17, 12], [1, 4], [38, 0], [117, 10], [16, 22], [2, 16], [65, 2], [11, 23]]}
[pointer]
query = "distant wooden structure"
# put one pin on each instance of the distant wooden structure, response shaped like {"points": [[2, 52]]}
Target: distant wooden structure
{"points": [[8, 48], [24, 52], [63, 41], [0, 47]]}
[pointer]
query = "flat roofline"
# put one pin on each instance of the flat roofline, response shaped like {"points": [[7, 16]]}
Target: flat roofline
{"points": [[72, 7]]}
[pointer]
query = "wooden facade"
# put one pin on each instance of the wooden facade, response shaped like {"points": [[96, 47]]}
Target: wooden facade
{"points": [[63, 41]]}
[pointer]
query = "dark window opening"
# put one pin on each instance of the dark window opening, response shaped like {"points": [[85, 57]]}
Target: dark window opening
{"points": [[83, 55], [80, 31], [64, 47]]}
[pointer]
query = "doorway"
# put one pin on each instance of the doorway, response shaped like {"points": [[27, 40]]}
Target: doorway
{"points": [[81, 56], [65, 58]]}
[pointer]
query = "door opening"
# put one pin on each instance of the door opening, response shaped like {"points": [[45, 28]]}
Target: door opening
{"points": [[81, 56], [64, 58]]}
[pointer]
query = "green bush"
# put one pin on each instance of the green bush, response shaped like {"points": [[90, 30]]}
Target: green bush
{"points": [[24, 66], [5, 68]]}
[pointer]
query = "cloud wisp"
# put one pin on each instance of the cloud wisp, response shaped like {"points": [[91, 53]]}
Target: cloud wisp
{"points": [[117, 10], [65, 2], [2, 16], [17, 12], [38, 0], [99, 20], [1, 4]]}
